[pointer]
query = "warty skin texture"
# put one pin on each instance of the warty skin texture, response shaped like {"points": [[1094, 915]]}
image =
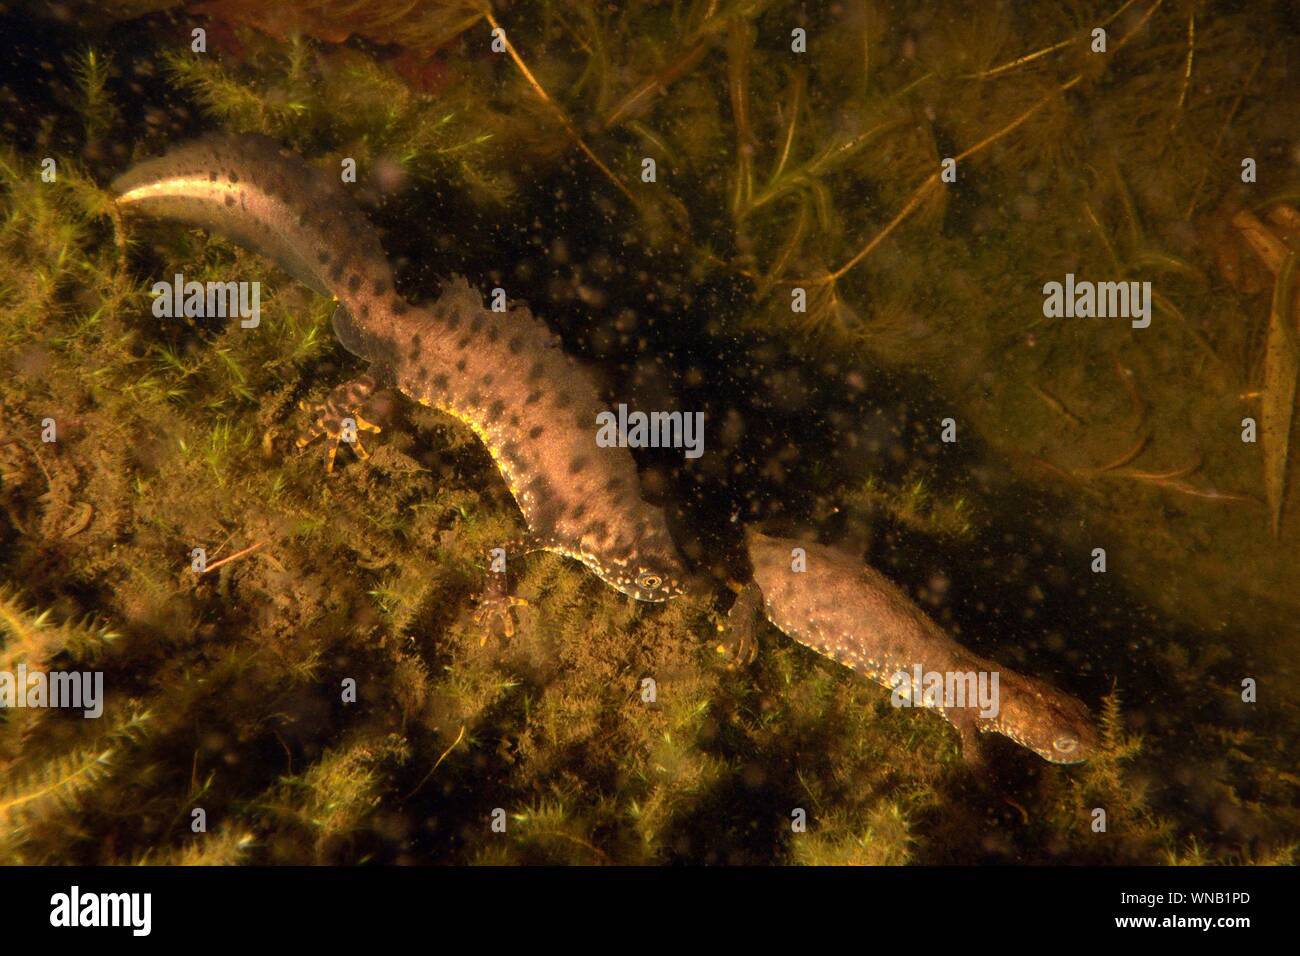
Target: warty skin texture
{"points": [[502, 373]]}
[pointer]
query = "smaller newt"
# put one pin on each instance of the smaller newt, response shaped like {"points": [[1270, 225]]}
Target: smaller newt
{"points": [[849, 612]]}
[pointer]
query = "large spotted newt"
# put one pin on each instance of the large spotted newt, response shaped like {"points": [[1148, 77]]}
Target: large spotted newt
{"points": [[500, 372]]}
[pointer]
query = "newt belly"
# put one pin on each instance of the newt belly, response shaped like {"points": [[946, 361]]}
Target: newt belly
{"points": [[501, 373], [849, 612]]}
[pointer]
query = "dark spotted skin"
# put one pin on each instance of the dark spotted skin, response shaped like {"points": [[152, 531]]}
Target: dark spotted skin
{"points": [[535, 408], [847, 611], [502, 373]]}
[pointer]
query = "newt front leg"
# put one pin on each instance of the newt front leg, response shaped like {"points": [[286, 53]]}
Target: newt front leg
{"points": [[338, 418]]}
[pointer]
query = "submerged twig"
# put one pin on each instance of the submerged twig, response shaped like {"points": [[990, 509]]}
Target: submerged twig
{"points": [[796, 98], [787, 250], [1123, 459], [1055, 404], [1169, 480], [559, 112], [238, 554], [459, 737], [1187, 70], [739, 44], [657, 84], [1039, 54]]}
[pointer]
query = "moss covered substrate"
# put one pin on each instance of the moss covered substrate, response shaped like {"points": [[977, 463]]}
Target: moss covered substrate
{"points": [[225, 689]]}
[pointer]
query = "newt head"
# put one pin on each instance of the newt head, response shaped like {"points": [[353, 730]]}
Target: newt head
{"points": [[650, 569], [654, 583], [1051, 723], [652, 578]]}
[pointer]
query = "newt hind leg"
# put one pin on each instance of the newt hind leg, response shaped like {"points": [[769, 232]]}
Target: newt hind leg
{"points": [[339, 420], [496, 603], [738, 643]]}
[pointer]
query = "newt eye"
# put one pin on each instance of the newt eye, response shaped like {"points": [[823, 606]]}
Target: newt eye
{"points": [[1066, 744], [650, 582]]}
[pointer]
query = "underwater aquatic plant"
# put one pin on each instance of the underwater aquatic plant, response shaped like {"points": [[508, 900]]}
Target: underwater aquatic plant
{"points": [[302, 95]]}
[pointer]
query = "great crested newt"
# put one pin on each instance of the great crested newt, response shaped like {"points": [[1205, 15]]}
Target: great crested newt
{"points": [[500, 372], [845, 610]]}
